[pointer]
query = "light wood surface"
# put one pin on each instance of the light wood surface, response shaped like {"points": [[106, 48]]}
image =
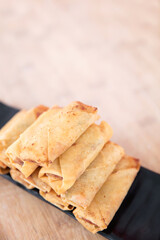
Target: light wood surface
{"points": [[104, 53]]}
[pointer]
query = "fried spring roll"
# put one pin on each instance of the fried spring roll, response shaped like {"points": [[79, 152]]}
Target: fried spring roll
{"points": [[85, 188], [8, 134], [27, 167], [66, 170], [52, 134], [19, 177], [56, 200], [109, 198], [12, 130]]}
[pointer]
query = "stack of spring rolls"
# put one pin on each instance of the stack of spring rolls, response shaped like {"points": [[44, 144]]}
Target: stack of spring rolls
{"points": [[70, 159]]}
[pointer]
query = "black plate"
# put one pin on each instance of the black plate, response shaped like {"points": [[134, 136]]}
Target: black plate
{"points": [[138, 218]]}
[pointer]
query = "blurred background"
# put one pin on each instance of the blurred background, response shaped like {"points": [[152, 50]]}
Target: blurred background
{"points": [[104, 53]]}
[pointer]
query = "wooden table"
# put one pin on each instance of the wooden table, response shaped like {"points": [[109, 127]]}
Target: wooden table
{"points": [[104, 53]]}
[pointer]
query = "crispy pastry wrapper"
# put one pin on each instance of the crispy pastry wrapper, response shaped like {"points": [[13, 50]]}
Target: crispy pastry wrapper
{"points": [[19, 177], [109, 198], [70, 165], [36, 182], [85, 188], [12, 130], [31, 182], [28, 166], [8, 134], [56, 200], [53, 133]]}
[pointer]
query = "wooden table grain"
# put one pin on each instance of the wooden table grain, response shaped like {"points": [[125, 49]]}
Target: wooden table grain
{"points": [[104, 53]]}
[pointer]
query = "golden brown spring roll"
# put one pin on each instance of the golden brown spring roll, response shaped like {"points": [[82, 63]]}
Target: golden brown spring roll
{"points": [[56, 200], [85, 188], [27, 167], [77, 158], [109, 198], [12, 130], [8, 135], [36, 182], [52, 134], [19, 177]]}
